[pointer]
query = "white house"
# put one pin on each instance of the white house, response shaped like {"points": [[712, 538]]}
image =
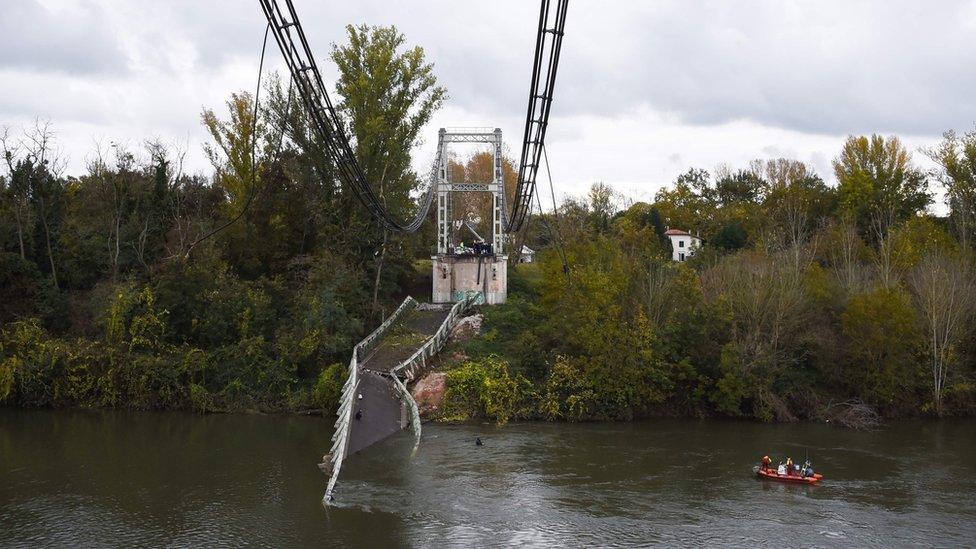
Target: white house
{"points": [[527, 255], [683, 244]]}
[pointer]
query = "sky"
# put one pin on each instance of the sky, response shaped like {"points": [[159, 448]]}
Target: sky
{"points": [[646, 88]]}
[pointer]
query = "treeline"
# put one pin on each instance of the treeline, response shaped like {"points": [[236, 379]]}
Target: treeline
{"points": [[138, 285], [806, 301]]}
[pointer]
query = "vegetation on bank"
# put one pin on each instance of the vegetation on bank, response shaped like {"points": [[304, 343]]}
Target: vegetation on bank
{"points": [[807, 302], [115, 289], [136, 285]]}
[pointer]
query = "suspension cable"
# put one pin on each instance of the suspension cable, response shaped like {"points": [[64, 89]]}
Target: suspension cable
{"points": [[560, 244], [254, 140], [541, 89], [326, 122], [324, 118]]}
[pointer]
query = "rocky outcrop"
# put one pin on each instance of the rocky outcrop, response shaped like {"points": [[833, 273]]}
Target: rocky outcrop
{"points": [[429, 392], [466, 328]]}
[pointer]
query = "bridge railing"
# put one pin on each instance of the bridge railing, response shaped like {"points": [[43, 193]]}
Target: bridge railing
{"points": [[418, 360], [340, 437]]}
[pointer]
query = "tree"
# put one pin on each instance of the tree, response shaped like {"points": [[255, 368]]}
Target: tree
{"points": [[877, 183], [731, 237], [231, 153], [480, 168], [945, 293], [17, 191], [601, 200], [688, 205], [742, 187], [769, 308], [956, 157], [882, 337], [388, 96], [797, 201], [845, 251]]}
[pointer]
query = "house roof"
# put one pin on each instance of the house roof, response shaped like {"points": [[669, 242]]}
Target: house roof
{"points": [[527, 250], [676, 232]]}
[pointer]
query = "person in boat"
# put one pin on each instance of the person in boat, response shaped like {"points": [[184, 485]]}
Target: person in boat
{"points": [[765, 463], [807, 469], [789, 466]]}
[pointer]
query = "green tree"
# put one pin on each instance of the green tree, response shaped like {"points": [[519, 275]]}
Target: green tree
{"points": [[689, 204], [877, 183], [881, 332], [388, 96]]}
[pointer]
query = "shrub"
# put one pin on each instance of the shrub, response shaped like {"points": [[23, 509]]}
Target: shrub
{"points": [[328, 388], [485, 389]]}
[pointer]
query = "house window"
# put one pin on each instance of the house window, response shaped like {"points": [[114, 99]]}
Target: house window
{"points": [[681, 243]]}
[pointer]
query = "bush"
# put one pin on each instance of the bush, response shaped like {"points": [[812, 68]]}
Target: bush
{"points": [[485, 389], [328, 388]]}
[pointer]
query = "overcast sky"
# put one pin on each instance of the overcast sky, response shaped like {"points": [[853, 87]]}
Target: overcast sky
{"points": [[646, 89]]}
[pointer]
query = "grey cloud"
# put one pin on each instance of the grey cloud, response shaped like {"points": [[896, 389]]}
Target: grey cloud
{"points": [[73, 40], [819, 67], [815, 67]]}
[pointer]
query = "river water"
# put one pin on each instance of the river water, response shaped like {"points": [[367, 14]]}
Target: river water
{"points": [[92, 479]]}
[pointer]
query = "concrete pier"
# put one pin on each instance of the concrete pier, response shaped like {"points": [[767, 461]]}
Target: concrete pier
{"points": [[455, 275]]}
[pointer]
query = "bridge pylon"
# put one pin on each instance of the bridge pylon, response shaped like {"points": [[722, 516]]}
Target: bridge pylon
{"points": [[482, 267]]}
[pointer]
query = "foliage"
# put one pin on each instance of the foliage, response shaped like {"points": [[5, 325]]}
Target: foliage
{"points": [[799, 298], [328, 387], [882, 336], [804, 294], [111, 296], [875, 178], [486, 389]]}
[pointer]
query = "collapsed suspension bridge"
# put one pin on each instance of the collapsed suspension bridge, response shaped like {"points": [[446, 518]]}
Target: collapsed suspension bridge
{"points": [[375, 401]]}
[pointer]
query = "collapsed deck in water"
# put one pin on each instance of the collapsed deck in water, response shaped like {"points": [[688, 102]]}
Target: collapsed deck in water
{"points": [[375, 402]]}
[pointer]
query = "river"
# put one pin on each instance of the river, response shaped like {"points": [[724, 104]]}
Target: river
{"points": [[87, 478]]}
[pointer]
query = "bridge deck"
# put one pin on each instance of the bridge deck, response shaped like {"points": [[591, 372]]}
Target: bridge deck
{"points": [[379, 407]]}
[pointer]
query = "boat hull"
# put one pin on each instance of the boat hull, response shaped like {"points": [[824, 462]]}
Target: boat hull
{"points": [[773, 475]]}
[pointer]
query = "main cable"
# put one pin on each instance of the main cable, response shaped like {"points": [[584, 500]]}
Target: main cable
{"points": [[560, 244], [254, 141], [541, 90], [325, 120]]}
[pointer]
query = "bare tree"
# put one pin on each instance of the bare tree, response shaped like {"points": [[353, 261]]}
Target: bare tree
{"points": [[18, 188], [111, 186], [945, 293], [769, 306], [661, 298], [956, 157], [790, 202], [844, 252], [882, 222], [44, 181]]}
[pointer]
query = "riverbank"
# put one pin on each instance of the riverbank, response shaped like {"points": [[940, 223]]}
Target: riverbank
{"points": [[518, 361]]}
